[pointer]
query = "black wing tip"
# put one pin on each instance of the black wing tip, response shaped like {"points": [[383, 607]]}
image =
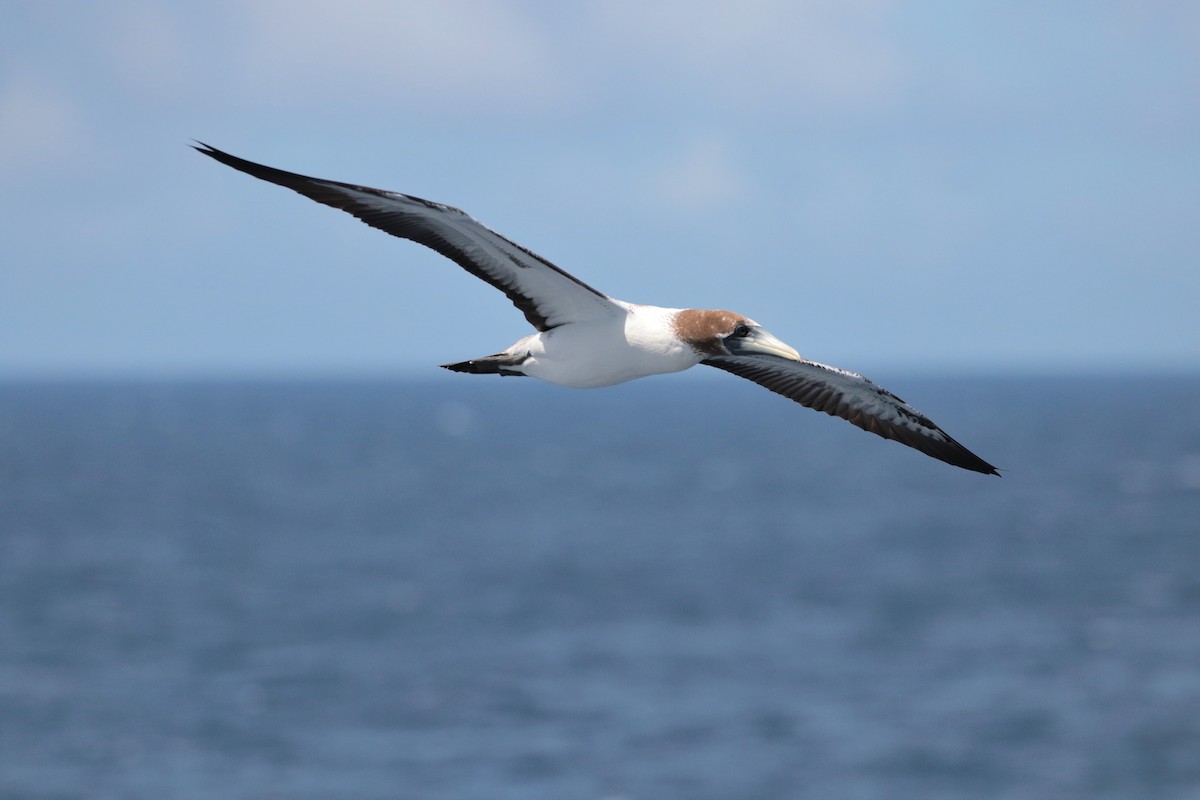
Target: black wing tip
{"points": [[991, 470], [957, 455], [240, 164], [943, 447], [260, 171], [974, 463], [321, 190], [314, 188], [948, 451], [208, 149]]}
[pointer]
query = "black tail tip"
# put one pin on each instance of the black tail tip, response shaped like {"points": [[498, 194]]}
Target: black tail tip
{"points": [[499, 364], [462, 366]]}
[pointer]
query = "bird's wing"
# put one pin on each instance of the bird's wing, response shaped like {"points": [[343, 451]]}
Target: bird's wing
{"points": [[548, 296], [852, 397]]}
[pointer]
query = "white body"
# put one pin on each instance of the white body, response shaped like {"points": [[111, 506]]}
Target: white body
{"points": [[608, 350]]}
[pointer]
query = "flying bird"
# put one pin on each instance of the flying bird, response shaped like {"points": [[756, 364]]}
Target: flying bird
{"points": [[586, 339]]}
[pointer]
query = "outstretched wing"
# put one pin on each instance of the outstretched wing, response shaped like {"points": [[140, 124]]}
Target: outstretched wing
{"points": [[852, 397], [547, 295]]}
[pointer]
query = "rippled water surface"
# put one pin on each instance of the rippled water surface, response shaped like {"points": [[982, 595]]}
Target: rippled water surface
{"points": [[670, 589]]}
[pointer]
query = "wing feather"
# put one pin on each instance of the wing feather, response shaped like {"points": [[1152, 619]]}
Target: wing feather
{"points": [[854, 398], [545, 294]]}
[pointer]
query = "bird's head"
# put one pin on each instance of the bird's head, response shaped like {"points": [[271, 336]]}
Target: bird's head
{"points": [[727, 333]]}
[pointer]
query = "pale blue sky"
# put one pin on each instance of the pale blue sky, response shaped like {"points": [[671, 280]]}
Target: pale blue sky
{"points": [[927, 185]]}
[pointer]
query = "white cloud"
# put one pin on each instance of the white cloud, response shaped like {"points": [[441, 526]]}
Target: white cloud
{"points": [[834, 52], [462, 54]]}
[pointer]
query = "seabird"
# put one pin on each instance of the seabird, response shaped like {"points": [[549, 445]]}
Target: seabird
{"points": [[586, 339]]}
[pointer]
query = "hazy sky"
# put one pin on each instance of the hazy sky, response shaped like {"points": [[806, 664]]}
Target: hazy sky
{"points": [[920, 185]]}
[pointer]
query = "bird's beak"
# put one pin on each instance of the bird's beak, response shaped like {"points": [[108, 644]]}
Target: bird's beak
{"points": [[760, 342]]}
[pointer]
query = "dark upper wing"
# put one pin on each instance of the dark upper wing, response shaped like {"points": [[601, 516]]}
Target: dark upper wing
{"points": [[546, 295], [852, 397]]}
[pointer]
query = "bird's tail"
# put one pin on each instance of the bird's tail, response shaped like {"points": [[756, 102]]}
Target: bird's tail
{"points": [[505, 364]]}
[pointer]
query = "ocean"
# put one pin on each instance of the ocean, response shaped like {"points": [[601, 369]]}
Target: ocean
{"points": [[676, 588]]}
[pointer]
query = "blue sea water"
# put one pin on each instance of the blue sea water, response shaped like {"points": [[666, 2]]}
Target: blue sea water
{"points": [[671, 589]]}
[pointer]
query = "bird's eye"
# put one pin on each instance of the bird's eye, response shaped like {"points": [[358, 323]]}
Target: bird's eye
{"points": [[741, 331]]}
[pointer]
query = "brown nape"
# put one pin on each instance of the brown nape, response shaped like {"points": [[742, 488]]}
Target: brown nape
{"points": [[704, 329]]}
